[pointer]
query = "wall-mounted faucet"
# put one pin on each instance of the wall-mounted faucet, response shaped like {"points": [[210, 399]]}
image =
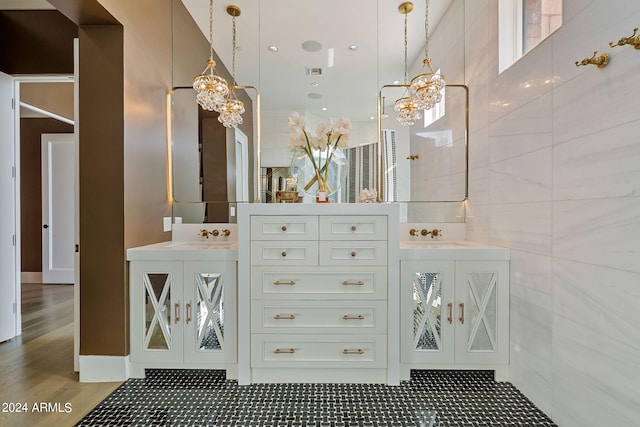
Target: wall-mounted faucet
{"points": [[424, 232], [214, 233]]}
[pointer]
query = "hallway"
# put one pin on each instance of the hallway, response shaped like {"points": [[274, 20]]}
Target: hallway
{"points": [[38, 385]]}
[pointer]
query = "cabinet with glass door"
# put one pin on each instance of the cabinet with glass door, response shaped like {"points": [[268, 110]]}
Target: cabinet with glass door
{"points": [[182, 315], [455, 314]]}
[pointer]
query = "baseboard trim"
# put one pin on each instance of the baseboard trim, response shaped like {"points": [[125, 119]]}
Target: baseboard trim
{"points": [[31, 277], [103, 369]]}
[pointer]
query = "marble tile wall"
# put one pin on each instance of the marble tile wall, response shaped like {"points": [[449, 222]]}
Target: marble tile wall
{"points": [[555, 175]]}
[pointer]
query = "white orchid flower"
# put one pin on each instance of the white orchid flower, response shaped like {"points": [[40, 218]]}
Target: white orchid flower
{"points": [[296, 121]]}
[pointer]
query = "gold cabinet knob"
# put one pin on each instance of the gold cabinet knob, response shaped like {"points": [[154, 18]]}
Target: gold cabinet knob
{"points": [[354, 228], [284, 228], [283, 253], [353, 254]]}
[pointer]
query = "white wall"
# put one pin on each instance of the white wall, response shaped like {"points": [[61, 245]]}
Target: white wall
{"points": [[555, 175]]}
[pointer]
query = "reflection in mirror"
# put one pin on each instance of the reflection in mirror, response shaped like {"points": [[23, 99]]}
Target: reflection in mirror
{"points": [[342, 79], [429, 158], [210, 163]]}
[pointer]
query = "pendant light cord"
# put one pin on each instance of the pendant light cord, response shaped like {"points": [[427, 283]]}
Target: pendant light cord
{"points": [[211, 30], [233, 52], [405, 48], [426, 29]]}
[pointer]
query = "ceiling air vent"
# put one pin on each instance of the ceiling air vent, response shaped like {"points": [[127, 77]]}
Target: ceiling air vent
{"points": [[313, 71]]}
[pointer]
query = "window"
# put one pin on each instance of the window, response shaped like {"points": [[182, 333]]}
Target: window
{"points": [[523, 24]]}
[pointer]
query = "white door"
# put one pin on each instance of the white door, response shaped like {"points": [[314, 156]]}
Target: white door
{"points": [[242, 167], [58, 154], [8, 284]]}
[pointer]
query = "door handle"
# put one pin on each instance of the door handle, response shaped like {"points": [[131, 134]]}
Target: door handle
{"points": [[45, 226], [461, 313], [188, 310]]}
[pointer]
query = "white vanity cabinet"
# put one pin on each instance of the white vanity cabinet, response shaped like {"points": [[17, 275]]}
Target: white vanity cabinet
{"points": [[182, 314], [454, 314], [318, 295]]}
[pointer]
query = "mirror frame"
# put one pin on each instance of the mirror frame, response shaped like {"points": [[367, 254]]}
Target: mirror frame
{"points": [[257, 140], [466, 145]]}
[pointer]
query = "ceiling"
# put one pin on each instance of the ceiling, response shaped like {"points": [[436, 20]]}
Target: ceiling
{"points": [[25, 5], [347, 88], [350, 80]]}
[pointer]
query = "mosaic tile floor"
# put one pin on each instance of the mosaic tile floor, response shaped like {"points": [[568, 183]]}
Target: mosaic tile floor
{"points": [[206, 398]]}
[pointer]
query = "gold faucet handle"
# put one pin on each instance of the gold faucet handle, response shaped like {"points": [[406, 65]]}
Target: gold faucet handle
{"points": [[215, 233], [424, 232], [435, 233], [413, 232], [226, 233], [203, 233]]}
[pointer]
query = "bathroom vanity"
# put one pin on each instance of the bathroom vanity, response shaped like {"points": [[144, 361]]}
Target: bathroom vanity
{"points": [[456, 297], [322, 293], [318, 293], [182, 298]]}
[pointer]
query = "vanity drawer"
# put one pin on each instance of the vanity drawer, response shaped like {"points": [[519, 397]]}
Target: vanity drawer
{"points": [[319, 316], [352, 227], [353, 253], [319, 283], [295, 252], [284, 227], [320, 351]]}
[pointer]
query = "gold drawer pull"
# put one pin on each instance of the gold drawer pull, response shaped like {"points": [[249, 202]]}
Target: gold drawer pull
{"points": [[351, 282], [352, 351], [349, 317], [284, 350], [284, 316], [461, 318], [284, 253], [284, 228], [176, 312], [353, 254], [450, 318], [286, 282]]}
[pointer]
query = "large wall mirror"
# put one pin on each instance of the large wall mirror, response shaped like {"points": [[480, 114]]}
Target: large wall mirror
{"points": [[330, 58]]}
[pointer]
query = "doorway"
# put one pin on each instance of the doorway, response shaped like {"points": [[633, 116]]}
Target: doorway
{"points": [[31, 117]]}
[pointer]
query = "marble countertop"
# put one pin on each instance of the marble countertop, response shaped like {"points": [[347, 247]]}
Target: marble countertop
{"points": [[185, 251], [451, 250]]}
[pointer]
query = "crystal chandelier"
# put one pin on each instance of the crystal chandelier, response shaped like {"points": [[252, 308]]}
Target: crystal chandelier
{"points": [[426, 88], [408, 111], [211, 89], [231, 113]]}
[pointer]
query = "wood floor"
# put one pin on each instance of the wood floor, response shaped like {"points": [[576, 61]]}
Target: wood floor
{"points": [[36, 368]]}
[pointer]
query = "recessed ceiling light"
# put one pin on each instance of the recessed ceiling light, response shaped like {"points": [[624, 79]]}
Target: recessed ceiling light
{"points": [[311, 46], [372, 117], [396, 82], [324, 108], [353, 47], [272, 48], [315, 84]]}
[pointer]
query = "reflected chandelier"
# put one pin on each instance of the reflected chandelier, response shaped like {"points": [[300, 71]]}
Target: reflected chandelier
{"points": [[408, 110], [211, 89], [426, 88], [231, 112]]}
